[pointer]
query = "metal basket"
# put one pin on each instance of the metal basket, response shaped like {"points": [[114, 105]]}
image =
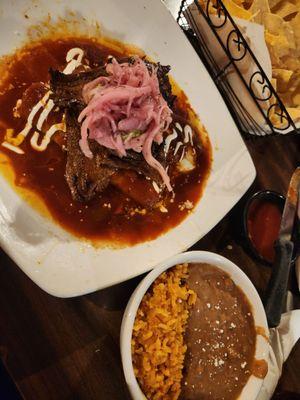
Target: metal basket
{"points": [[265, 100]]}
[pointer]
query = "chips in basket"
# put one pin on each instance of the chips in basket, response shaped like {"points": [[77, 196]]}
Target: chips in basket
{"points": [[281, 21]]}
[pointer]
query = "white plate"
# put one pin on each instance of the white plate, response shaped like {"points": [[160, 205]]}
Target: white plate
{"points": [[64, 266]]}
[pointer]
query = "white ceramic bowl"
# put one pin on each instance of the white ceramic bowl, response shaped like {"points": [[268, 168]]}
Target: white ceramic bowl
{"points": [[252, 388]]}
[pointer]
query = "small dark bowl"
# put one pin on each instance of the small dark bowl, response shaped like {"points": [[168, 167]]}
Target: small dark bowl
{"points": [[266, 195]]}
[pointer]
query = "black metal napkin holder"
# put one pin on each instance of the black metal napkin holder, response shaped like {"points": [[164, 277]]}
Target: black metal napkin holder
{"points": [[236, 48]]}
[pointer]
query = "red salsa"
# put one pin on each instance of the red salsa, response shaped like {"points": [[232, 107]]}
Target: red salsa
{"points": [[263, 227]]}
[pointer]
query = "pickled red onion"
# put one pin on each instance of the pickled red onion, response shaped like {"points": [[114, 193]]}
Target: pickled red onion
{"points": [[127, 100]]}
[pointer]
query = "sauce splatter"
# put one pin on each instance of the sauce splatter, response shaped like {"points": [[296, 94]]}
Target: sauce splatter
{"points": [[262, 332], [260, 368]]}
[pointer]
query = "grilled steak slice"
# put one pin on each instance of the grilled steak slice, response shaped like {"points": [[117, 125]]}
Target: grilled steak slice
{"points": [[67, 89], [85, 176], [136, 162], [134, 186], [163, 80]]}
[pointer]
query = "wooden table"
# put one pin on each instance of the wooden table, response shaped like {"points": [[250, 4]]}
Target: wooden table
{"points": [[56, 349]]}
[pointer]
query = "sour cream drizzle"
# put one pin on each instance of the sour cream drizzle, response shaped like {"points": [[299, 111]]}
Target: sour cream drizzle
{"points": [[178, 145], [188, 134], [12, 148], [188, 138], [74, 59], [169, 140], [47, 137], [44, 114]]}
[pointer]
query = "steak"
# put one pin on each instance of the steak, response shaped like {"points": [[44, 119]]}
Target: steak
{"points": [[67, 89], [85, 176], [88, 176]]}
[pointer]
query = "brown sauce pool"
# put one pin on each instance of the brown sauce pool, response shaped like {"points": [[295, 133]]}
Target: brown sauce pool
{"points": [[43, 172], [220, 337]]}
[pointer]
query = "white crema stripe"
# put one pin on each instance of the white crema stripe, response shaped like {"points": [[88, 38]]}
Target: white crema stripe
{"points": [[74, 59], [73, 62], [33, 113], [44, 114], [178, 126], [169, 140], [13, 148], [188, 134], [47, 137], [178, 145]]}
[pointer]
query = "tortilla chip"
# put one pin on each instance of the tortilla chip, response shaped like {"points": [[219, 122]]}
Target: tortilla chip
{"points": [[236, 11], [290, 62], [296, 100], [279, 37], [271, 41], [257, 9], [295, 25], [289, 34], [273, 3], [274, 83], [294, 113], [294, 82], [239, 3], [273, 23], [286, 98], [278, 48], [285, 9], [282, 77], [283, 74]]}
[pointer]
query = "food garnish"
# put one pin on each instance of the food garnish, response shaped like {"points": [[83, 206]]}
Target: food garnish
{"points": [[126, 111]]}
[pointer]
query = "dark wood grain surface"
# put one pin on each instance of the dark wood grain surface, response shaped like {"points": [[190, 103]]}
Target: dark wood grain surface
{"points": [[63, 349]]}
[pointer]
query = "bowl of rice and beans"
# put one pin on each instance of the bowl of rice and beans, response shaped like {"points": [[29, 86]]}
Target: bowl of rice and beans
{"points": [[195, 328]]}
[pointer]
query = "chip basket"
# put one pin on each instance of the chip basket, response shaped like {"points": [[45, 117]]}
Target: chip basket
{"points": [[256, 120]]}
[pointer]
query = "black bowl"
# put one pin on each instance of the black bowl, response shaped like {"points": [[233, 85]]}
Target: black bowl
{"points": [[266, 195]]}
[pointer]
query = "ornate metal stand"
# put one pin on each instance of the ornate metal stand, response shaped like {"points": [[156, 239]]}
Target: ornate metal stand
{"points": [[264, 97]]}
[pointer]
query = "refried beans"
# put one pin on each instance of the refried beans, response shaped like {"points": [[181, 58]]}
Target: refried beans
{"points": [[220, 337]]}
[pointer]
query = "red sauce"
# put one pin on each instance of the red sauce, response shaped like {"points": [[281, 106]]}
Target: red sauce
{"points": [[263, 227], [43, 173]]}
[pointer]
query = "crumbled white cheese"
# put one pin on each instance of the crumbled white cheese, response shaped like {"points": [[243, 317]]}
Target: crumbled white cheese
{"points": [[163, 209], [155, 186]]}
